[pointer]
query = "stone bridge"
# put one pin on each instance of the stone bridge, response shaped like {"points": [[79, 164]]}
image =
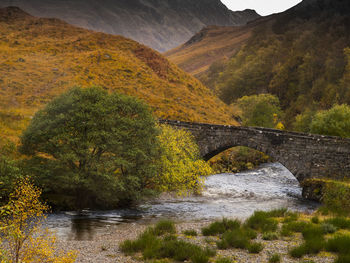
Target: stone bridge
{"points": [[304, 155]]}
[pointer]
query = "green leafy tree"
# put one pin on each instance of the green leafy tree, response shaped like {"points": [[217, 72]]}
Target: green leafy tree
{"points": [[303, 121], [260, 110], [181, 166], [334, 122], [9, 170], [89, 148]]}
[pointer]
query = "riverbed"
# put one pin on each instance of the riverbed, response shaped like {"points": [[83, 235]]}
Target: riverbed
{"points": [[225, 195]]}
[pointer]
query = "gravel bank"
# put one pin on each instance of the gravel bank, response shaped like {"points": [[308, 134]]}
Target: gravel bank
{"points": [[104, 247]]}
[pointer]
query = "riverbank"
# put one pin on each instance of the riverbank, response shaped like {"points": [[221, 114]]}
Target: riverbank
{"points": [[105, 247]]}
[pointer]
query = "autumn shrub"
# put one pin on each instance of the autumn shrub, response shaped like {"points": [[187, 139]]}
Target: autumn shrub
{"points": [[23, 239], [181, 168]]}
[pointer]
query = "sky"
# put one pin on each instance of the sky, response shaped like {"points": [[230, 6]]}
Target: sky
{"points": [[263, 7]]}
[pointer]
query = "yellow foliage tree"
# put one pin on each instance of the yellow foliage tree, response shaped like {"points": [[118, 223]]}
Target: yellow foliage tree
{"points": [[23, 237], [181, 166]]}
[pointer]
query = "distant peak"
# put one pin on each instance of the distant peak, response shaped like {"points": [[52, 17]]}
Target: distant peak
{"points": [[12, 13]]}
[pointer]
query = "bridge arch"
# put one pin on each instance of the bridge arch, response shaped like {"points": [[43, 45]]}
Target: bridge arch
{"points": [[304, 155]]}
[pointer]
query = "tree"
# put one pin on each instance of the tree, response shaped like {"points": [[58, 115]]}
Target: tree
{"points": [[89, 148], [260, 110], [21, 234], [181, 166], [334, 122], [303, 121], [9, 170]]}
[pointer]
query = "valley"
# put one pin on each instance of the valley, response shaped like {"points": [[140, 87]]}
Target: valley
{"points": [[163, 131]]}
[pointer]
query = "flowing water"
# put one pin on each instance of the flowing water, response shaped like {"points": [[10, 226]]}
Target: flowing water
{"points": [[225, 195]]}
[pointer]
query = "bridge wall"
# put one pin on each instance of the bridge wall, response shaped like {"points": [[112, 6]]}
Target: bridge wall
{"points": [[304, 155]]}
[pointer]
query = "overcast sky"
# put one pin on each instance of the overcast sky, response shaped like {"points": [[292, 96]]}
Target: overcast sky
{"points": [[263, 7]]}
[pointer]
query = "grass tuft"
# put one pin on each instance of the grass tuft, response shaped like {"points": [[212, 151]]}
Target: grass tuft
{"points": [[262, 221], [164, 227], [255, 247], [275, 258], [270, 236], [223, 260], [220, 227], [191, 233]]}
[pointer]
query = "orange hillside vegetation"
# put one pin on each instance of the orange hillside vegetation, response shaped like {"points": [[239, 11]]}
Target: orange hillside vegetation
{"points": [[211, 44], [41, 58]]}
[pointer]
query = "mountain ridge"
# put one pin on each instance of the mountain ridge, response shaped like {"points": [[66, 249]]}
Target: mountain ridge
{"points": [[159, 24], [301, 55]]}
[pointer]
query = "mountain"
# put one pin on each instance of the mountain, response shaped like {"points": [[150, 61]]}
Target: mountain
{"points": [[41, 58], [300, 55], [159, 24], [211, 44]]}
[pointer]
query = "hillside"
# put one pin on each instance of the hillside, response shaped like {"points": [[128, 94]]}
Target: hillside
{"points": [[211, 44], [300, 55], [41, 58], [159, 24]]}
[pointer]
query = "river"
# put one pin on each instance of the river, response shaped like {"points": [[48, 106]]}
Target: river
{"points": [[225, 195]]}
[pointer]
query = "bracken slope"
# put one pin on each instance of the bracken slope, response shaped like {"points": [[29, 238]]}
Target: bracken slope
{"points": [[41, 58]]}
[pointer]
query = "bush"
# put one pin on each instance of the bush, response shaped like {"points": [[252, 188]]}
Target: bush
{"points": [[255, 247], [275, 258], [291, 217], [282, 212], [192, 233], [182, 169], [237, 238], [328, 228], [294, 226], [339, 222], [261, 221], [343, 259], [315, 220], [311, 246], [298, 252], [335, 122], [260, 110], [336, 196], [270, 236], [311, 232], [220, 227], [339, 244]]}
